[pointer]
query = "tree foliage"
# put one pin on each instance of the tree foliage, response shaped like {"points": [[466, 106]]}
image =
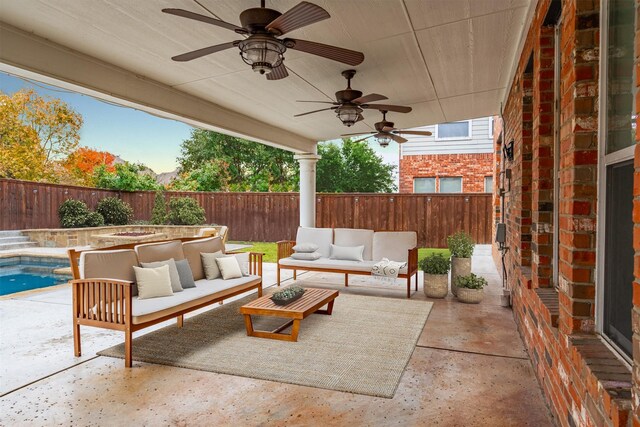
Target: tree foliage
{"points": [[82, 163], [126, 177], [159, 212], [352, 167], [211, 161], [35, 134]]}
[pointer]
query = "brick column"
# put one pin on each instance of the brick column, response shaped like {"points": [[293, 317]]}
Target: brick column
{"points": [[542, 161], [578, 165]]}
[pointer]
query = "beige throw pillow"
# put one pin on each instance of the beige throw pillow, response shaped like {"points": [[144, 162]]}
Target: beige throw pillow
{"points": [[153, 282], [211, 270], [176, 286], [229, 267]]}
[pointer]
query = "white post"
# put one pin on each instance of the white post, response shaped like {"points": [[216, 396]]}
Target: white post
{"points": [[307, 188]]}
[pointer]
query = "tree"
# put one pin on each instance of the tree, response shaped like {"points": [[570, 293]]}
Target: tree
{"points": [[211, 161], [353, 167], [159, 212], [126, 177], [82, 163], [35, 133]]}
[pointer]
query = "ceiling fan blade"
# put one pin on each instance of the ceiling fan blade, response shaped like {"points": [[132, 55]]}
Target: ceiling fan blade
{"points": [[372, 97], [346, 56], [321, 102], [362, 139], [298, 16], [280, 72], [397, 138], [386, 107], [314, 111], [202, 18], [358, 133], [415, 132], [388, 129], [360, 118], [203, 52]]}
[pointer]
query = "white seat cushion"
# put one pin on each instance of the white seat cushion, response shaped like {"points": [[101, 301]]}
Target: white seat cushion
{"points": [[332, 264], [393, 245], [323, 237], [355, 237], [149, 309]]}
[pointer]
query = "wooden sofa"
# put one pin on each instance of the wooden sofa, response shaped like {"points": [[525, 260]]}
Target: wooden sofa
{"points": [[394, 245], [104, 292]]}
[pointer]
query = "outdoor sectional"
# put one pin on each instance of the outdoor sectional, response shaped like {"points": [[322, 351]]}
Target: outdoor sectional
{"points": [[104, 292], [393, 245]]}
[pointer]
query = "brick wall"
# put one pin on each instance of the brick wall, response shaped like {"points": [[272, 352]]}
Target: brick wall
{"points": [[584, 382], [473, 168], [636, 235]]}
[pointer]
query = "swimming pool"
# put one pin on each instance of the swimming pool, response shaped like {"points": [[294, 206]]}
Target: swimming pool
{"points": [[23, 273]]}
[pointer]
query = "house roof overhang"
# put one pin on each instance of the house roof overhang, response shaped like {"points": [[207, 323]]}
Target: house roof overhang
{"points": [[447, 59]]}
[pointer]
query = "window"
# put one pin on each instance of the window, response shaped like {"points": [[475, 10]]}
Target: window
{"points": [[451, 185], [454, 130], [488, 184], [615, 188], [424, 185]]}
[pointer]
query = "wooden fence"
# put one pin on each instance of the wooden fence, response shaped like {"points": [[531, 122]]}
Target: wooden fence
{"points": [[269, 216]]}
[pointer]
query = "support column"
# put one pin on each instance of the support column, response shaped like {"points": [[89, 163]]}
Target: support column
{"points": [[307, 188]]}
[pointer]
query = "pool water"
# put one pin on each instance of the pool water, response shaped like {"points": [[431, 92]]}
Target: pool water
{"points": [[23, 273]]}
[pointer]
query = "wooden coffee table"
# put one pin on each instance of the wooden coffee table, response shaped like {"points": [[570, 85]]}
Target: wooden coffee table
{"points": [[308, 304]]}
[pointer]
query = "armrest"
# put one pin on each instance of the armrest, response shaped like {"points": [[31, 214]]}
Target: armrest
{"points": [[255, 263], [412, 264], [285, 248], [102, 300]]}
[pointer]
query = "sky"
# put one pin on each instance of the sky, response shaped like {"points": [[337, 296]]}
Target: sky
{"points": [[135, 136]]}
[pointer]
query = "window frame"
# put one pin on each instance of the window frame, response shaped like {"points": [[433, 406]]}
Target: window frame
{"points": [[440, 178], [435, 184], [605, 160], [455, 138], [485, 184]]}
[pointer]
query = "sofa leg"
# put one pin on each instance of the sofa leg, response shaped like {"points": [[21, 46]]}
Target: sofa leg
{"points": [[416, 282], [77, 350], [180, 321], [409, 287], [260, 290], [295, 274], [278, 276], [127, 348], [346, 280]]}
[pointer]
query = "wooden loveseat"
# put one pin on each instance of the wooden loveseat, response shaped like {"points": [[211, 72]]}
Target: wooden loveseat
{"points": [[104, 291], [394, 245]]}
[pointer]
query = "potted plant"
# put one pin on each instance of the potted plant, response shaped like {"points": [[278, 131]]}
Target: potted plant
{"points": [[288, 295], [436, 275], [470, 288], [461, 248]]}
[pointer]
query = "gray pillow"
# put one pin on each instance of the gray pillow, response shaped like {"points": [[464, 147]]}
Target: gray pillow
{"points": [[305, 247], [185, 273], [173, 272], [306, 256], [211, 270]]}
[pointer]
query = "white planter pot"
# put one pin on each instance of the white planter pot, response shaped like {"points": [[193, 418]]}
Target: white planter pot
{"points": [[459, 267], [470, 296], [436, 285]]}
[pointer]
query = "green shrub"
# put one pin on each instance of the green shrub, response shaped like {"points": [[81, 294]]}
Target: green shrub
{"points": [[471, 282], [185, 211], [435, 264], [460, 245], [159, 213], [94, 219], [114, 211], [73, 213]]}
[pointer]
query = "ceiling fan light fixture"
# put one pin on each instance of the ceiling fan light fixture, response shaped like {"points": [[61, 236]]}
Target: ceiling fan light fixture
{"points": [[348, 115], [384, 140], [263, 53]]}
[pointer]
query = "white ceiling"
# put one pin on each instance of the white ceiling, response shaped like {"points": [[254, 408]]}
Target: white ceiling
{"points": [[448, 59]]}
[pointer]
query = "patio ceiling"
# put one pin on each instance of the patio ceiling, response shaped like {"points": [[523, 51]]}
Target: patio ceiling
{"points": [[448, 59]]}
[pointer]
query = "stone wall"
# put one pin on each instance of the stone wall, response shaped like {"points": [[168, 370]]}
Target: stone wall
{"points": [[70, 237]]}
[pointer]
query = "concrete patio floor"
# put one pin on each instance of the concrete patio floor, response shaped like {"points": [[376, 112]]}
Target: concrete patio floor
{"points": [[469, 368]]}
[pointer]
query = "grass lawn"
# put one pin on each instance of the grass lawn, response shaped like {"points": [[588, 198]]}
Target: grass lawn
{"points": [[270, 250]]}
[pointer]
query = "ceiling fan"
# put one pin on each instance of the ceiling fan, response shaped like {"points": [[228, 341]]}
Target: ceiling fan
{"points": [[262, 49], [350, 103], [385, 132]]}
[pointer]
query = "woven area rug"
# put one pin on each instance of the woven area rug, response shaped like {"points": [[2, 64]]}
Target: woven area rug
{"points": [[363, 347]]}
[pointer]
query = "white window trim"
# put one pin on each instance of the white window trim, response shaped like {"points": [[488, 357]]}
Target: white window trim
{"points": [[439, 187], [455, 138], [603, 161]]}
